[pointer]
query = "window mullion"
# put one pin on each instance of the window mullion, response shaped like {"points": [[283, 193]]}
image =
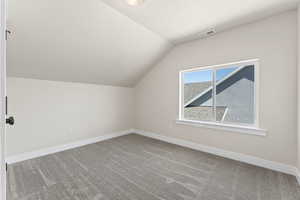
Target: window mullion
{"points": [[214, 95]]}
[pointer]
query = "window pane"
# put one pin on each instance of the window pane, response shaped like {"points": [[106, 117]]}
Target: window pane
{"points": [[198, 104], [235, 95], [223, 73]]}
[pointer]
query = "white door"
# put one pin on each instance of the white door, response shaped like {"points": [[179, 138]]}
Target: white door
{"points": [[2, 98]]}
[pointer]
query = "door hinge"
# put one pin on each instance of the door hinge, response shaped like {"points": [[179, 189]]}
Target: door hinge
{"points": [[6, 102], [7, 32]]}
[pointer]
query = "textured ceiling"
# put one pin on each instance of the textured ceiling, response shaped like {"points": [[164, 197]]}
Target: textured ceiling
{"points": [[183, 20], [79, 41]]}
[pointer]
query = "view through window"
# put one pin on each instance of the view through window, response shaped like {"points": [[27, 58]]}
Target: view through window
{"points": [[223, 94]]}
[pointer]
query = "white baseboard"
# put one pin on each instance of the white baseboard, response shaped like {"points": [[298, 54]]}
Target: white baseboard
{"points": [[51, 150], [287, 169]]}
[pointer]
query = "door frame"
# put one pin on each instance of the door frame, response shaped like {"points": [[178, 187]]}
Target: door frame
{"points": [[2, 98]]}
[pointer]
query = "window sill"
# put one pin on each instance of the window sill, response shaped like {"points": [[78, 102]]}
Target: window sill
{"points": [[225, 127]]}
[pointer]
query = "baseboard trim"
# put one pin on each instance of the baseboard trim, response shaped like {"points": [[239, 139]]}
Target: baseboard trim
{"points": [[51, 150], [287, 169]]}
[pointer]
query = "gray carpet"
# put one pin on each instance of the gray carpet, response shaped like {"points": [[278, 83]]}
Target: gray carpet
{"points": [[134, 167]]}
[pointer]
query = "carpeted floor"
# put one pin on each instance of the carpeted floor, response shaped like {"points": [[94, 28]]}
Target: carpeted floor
{"points": [[135, 167]]}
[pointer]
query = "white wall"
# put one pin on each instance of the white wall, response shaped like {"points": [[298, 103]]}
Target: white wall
{"points": [[49, 113], [274, 42]]}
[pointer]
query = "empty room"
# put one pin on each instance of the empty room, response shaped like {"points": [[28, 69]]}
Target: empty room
{"points": [[149, 100]]}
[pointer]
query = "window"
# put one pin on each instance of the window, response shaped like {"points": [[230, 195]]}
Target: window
{"points": [[223, 94]]}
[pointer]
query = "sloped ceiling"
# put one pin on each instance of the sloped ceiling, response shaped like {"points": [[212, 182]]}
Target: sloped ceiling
{"points": [[183, 20], [78, 41], [110, 42]]}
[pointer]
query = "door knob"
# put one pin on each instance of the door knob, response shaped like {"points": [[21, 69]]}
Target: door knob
{"points": [[10, 120]]}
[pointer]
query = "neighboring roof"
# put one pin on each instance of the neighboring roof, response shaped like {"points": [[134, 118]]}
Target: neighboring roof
{"points": [[191, 90], [235, 93], [226, 81], [204, 113]]}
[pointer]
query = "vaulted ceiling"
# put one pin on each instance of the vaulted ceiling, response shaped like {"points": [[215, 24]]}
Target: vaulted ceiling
{"points": [[78, 41], [110, 42], [183, 20]]}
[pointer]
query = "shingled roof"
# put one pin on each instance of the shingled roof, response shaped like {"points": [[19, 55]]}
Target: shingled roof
{"points": [[204, 113], [191, 90]]}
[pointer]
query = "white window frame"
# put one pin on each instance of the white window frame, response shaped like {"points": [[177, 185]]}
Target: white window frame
{"points": [[244, 128]]}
